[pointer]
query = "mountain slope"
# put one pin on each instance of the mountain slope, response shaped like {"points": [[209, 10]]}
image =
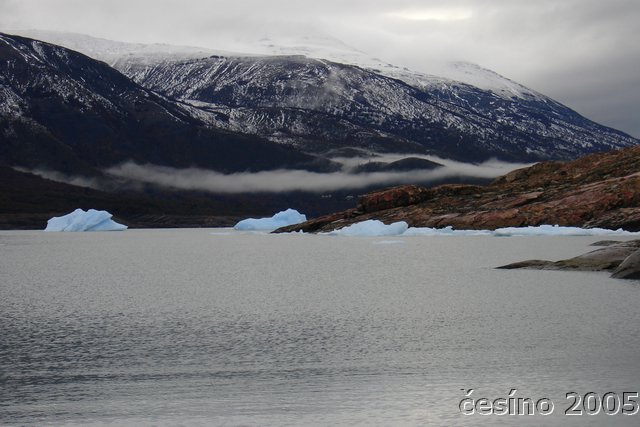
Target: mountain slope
{"points": [[122, 55], [318, 105], [296, 97], [64, 111]]}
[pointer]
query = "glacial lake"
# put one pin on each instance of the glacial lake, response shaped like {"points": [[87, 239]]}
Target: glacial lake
{"points": [[216, 327]]}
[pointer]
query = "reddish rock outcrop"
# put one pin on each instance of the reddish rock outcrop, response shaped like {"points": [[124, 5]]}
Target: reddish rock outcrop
{"points": [[599, 190]]}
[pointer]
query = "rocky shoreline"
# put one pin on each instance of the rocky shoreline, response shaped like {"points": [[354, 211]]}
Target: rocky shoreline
{"points": [[598, 190], [622, 259]]}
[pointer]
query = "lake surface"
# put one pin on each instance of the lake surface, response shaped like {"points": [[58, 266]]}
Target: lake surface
{"points": [[215, 327]]}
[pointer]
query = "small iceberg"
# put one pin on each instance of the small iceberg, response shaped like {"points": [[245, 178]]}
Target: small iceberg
{"points": [[377, 228], [372, 227], [389, 242], [556, 230], [80, 220], [540, 230], [446, 231], [281, 219]]}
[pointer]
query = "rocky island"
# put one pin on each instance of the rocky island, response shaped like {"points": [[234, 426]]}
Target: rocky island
{"points": [[598, 190]]}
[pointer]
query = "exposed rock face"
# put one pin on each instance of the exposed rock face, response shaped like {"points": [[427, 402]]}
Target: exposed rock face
{"points": [[629, 268], [393, 197], [623, 258], [599, 190], [604, 259]]}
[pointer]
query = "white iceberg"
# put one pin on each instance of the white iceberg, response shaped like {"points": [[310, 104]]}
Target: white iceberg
{"points": [[540, 230], [389, 242], [372, 227], [446, 231], [378, 228], [281, 219], [556, 230], [80, 220]]}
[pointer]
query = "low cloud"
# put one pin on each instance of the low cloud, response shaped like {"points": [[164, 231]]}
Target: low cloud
{"points": [[133, 176], [102, 183], [78, 181], [298, 180]]}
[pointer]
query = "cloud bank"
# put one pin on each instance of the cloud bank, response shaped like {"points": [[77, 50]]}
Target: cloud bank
{"points": [[133, 176], [297, 180]]}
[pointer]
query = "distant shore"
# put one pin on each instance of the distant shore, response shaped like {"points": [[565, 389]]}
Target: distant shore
{"points": [[596, 191]]}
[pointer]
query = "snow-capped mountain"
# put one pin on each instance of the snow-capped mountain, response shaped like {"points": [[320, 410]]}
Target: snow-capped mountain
{"points": [[111, 51], [316, 105], [64, 111], [318, 94], [122, 55], [322, 46], [299, 98]]}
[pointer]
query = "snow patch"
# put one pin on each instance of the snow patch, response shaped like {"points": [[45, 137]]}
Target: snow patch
{"points": [[281, 219], [80, 220]]}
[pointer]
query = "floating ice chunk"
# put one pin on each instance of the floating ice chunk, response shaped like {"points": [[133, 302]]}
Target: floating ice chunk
{"points": [[221, 233], [281, 219], [389, 242], [80, 220], [541, 230], [556, 230], [446, 231], [372, 227]]}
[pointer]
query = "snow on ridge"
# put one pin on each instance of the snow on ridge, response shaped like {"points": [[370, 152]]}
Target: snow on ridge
{"points": [[486, 79], [111, 51], [123, 54], [332, 49]]}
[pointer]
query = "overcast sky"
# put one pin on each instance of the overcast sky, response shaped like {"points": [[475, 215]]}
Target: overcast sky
{"points": [[583, 53]]}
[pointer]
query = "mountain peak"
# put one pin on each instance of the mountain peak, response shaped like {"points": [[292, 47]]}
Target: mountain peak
{"points": [[311, 44], [316, 105]]}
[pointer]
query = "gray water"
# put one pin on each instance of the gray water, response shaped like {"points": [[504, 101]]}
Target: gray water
{"points": [[212, 327]]}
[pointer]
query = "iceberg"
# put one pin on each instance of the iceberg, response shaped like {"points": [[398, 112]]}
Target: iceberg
{"points": [[372, 227], [378, 228], [540, 230], [389, 242], [281, 219], [80, 220], [556, 230], [446, 231]]}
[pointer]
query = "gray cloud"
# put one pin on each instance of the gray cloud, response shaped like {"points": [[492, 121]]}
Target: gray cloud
{"points": [[132, 176], [583, 53], [296, 180]]}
